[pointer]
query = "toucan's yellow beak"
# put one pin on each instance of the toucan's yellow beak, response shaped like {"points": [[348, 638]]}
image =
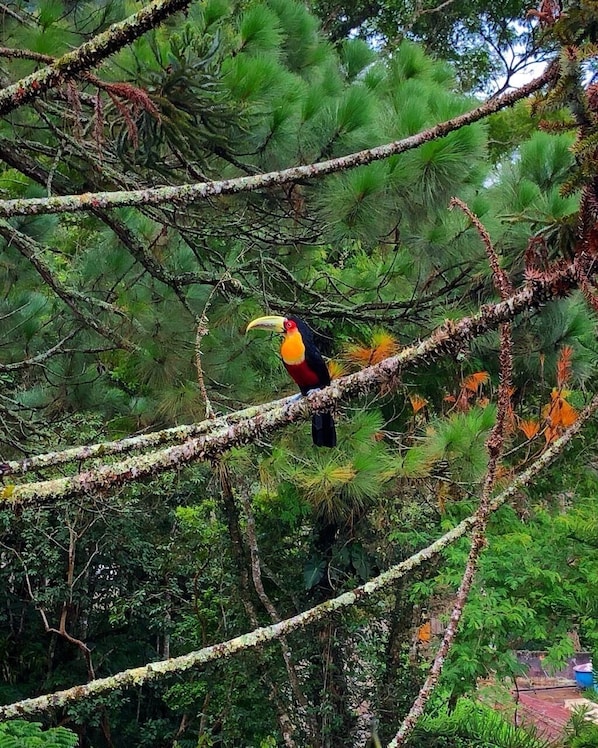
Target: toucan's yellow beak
{"points": [[274, 323]]}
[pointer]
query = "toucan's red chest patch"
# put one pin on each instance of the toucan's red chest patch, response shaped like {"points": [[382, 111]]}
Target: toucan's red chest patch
{"points": [[304, 377]]}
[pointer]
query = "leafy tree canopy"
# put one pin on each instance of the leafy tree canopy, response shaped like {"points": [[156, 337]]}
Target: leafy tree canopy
{"points": [[131, 319]]}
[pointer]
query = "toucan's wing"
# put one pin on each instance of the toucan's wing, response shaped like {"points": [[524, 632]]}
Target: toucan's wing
{"points": [[313, 358]]}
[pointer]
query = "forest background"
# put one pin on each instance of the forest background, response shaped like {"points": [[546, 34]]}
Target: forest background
{"points": [[170, 172]]}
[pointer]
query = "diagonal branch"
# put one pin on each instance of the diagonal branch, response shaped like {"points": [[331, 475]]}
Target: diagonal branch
{"points": [[88, 54], [40, 358], [287, 653], [502, 282], [449, 338], [188, 193], [495, 446], [261, 636], [174, 435], [32, 251]]}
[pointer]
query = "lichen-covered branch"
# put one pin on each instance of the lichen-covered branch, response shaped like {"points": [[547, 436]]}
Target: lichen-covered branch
{"points": [[449, 338], [39, 359], [188, 193], [174, 435], [261, 636], [88, 54]]}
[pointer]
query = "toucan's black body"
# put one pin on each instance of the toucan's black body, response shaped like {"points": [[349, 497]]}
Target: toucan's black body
{"points": [[305, 364], [313, 368]]}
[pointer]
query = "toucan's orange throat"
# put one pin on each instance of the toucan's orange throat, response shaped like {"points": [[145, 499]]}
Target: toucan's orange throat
{"points": [[292, 349]]}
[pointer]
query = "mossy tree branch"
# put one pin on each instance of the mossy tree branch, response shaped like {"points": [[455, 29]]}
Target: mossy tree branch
{"points": [[174, 435], [88, 54], [448, 339], [188, 193]]}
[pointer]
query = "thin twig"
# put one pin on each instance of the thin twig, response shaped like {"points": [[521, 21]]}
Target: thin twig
{"points": [[40, 357], [287, 655]]}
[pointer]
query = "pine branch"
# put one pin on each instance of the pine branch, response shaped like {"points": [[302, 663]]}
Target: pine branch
{"points": [[188, 193], [21, 161], [261, 636], [448, 339], [88, 54], [21, 17], [32, 251]]}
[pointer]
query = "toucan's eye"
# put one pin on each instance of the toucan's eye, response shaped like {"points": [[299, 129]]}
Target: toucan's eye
{"points": [[289, 324]]}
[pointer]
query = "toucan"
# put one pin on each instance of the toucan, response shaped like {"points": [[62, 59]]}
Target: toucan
{"points": [[305, 364]]}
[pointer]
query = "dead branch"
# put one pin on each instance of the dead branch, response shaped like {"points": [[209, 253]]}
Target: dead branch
{"points": [[234, 528], [287, 654], [494, 445]]}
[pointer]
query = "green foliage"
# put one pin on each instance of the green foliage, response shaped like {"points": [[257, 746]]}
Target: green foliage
{"points": [[581, 732], [472, 724], [160, 569], [474, 36], [21, 734], [459, 440]]}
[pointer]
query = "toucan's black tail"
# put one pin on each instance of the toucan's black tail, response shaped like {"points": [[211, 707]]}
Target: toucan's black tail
{"points": [[322, 430]]}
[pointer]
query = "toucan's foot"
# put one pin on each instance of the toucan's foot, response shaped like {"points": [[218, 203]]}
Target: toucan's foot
{"points": [[298, 397]]}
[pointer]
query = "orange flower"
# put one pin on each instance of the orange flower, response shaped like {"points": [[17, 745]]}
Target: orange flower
{"points": [[568, 414]]}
